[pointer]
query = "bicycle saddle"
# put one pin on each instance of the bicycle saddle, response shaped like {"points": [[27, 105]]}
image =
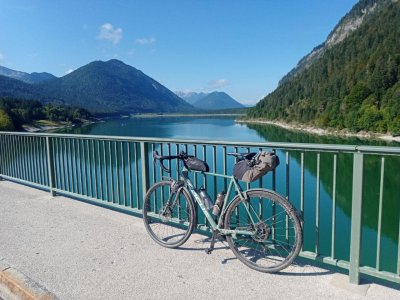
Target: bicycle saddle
{"points": [[245, 155]]}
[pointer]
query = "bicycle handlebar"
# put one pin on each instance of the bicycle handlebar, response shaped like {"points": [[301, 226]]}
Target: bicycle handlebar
{"points": [[156, 156]]}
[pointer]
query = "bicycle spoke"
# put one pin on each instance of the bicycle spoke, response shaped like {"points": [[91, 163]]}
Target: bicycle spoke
{"points": [[275, 240], [171, 224]]}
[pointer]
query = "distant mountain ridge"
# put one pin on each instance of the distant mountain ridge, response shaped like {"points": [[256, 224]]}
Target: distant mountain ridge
{"points": [[217, 100], [210, 101], [14, 88], [191, 97], [26, 77], [110, 87]]}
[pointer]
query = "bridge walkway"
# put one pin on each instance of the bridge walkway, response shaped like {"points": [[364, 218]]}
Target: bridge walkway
{"points": [[81, 251]]}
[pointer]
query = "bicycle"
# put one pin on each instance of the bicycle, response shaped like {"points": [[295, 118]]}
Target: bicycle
{"points": [[261, 227]]}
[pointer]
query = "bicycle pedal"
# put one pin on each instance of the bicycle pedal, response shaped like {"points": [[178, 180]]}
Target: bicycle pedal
{"points": [[209, 251]]}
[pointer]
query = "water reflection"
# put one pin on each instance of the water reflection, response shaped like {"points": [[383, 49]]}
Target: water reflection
{"points": [[226, 129], [371, 190]]}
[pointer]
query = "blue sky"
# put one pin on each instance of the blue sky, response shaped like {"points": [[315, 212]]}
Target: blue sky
{"points": [[240, 47]]}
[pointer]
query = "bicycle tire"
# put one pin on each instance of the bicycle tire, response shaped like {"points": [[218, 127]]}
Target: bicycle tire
{"points": [[174, 226], [261, 252]]}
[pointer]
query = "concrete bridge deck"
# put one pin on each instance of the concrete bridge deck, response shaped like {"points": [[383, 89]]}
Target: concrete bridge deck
{"points": [[81, 251]]}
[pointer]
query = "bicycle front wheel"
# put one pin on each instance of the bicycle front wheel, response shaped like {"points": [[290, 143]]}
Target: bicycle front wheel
{"points": [[168, 214], [277, 234]]}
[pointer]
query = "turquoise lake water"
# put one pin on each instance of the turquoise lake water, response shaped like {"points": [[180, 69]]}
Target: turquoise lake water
{"points": [[225, 129]]}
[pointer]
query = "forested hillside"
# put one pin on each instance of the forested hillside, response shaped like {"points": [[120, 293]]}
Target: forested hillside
{"points": [[354, 84], [112, 87], [14, 88]]}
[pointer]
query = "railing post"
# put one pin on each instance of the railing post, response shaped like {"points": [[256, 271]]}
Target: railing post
{"points": [[144, 156], [50, 165], [1, 159], [356, 218], [2, 163]]}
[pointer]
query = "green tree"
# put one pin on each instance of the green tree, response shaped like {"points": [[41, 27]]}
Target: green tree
{"points": [[5, 121], [356, 96]]}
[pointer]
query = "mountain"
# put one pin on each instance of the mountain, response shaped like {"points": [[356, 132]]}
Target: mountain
{"points": [[191, 97], [26, 77], [351, 81], [210, 101], [113, 87], [110, 87], [217, 100], [36, 77], [350, 22]]}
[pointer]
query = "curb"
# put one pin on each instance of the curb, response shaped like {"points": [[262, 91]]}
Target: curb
{"points": [[16, 285]]}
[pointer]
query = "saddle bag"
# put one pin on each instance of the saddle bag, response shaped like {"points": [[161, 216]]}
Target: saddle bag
{"points": [[195, 164], [251, 170]]}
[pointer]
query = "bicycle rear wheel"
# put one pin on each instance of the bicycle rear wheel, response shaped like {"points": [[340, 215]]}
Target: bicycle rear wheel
{"points": [[168, 214], [277, 237]]}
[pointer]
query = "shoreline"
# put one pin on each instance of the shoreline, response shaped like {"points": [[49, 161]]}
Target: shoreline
{"points": [[321, 131], [150, 115], [55, 125], [59, 125], [31, 128]]}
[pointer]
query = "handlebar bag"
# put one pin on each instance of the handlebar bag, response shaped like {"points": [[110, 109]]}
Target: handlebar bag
{"points": [[251, 170], [195, 164]]}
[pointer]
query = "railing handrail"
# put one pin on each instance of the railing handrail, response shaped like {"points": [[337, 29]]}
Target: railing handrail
{"points": [[275, 145]]}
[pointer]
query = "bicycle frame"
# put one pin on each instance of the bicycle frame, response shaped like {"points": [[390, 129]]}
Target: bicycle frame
{"points": [[248, 221], [232, 184]]}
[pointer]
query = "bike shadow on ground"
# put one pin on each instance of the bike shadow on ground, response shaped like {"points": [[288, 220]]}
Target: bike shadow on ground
{"points": [[202, 244], [300, 267]]}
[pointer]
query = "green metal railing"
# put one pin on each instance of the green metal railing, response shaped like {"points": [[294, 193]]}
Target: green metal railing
{"points": [[117, 171]]}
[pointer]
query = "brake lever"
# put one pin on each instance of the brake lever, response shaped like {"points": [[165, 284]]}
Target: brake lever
{"points": [[157, 156], [163, 167]]}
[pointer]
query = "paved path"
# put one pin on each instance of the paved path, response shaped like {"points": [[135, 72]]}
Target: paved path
{"points": [[81, 251]]}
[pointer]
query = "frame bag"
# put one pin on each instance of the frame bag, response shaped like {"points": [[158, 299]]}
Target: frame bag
{"points": [[251, 170], [195, 164]]}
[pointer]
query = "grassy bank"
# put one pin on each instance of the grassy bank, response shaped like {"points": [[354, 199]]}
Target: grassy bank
{"points": [[322, 131]]}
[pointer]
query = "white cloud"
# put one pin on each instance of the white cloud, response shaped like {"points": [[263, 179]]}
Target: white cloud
{"points": [[145, 41], [69, 71], [218, 83], [109, 33]]}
